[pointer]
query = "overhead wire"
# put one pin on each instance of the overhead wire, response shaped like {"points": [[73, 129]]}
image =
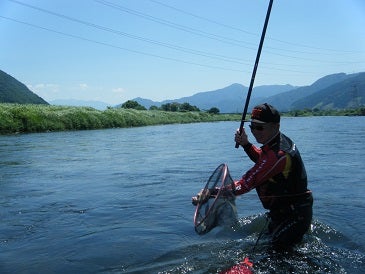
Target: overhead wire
{"points": [[218, 37], [164, 44], [180, 27], [132, 36], [117, 47], [126, 49], [247, 32]]}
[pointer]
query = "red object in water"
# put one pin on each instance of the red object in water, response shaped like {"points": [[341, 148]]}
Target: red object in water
{"points": [[244, 267]]}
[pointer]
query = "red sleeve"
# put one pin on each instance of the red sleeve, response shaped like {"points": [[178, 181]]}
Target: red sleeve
{"points": [[267, 166], [253, 152]]}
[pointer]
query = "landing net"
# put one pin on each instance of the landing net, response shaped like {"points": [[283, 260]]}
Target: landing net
{"points": [[219, 207]]}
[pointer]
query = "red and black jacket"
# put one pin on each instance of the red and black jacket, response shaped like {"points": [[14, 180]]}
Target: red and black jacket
{"points": [[278, 175]]}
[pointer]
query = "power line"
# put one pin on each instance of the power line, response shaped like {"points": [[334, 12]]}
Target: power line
{"points": [[244, 31], [141, 52], [158, 43], [187, 29], [204, 18], [132, 36], [180, 27], [118, 47], [200, 33]]}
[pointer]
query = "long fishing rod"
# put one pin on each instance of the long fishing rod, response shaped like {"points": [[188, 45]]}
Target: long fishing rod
{"points": [[255, 68]]}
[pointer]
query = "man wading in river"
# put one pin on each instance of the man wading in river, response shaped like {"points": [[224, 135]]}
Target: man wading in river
{"points": [[278, 176]]}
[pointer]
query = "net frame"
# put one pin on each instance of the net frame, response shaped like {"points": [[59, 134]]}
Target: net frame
{"points": [[219, 180]]}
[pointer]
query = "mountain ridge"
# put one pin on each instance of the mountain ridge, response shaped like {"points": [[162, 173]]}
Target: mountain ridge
{"points": [[13, 91], [333, 91], [231, 99]]}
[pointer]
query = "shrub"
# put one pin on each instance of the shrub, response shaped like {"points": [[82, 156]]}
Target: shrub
{"points": [[213, 110], [133, 105]]}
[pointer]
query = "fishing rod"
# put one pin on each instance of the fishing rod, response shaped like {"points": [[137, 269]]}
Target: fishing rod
{"points": [[255, 68]]}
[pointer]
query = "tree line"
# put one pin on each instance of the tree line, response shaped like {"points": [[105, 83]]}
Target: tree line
{"points": [[326, 112], [173, 107]]}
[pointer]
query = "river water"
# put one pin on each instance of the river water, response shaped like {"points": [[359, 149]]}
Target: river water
{"points": [[119, 200]]}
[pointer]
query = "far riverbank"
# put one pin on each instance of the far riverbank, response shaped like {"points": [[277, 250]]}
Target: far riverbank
{"points": [[19, 118]]}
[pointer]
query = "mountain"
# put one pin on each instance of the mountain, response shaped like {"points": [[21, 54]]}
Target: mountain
{"points": [[286, 101], [349, 93], [338, 90], [229, 99], [335, 91], [13, 91]]}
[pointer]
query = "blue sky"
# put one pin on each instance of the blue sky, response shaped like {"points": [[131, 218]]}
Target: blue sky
{"points": [[116, 50]]}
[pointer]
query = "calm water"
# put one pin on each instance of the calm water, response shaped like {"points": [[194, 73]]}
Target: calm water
{"points": [[119, 200]]}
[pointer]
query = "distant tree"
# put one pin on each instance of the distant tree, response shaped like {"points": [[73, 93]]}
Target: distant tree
{"points": [[166, 107], [133, 104], [185, 107], [153, 108], [170, 106], [188, 107], [174, 106], [362, 111], [214, 110]]}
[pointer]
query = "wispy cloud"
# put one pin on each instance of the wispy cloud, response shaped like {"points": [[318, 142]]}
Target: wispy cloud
{"points": [[43, 87], [79, 91]]}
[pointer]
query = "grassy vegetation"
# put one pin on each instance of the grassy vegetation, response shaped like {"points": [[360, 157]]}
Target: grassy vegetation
{"points": [[20, 118], [328, 112]]}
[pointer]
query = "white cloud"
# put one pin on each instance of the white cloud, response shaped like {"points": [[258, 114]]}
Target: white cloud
{"points": [[45, 91], [79, 91], [42, 87]]}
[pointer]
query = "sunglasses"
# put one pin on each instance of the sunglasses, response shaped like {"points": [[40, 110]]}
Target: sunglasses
{"points": [[256, 127]]}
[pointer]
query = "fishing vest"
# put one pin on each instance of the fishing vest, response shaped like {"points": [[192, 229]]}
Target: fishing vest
{"points": [[289, 187]]}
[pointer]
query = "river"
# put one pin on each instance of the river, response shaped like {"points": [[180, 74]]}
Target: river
{"points": [[119, 200]]}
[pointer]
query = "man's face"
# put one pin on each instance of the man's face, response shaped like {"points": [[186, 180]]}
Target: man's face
{"points": [[263, 132]]}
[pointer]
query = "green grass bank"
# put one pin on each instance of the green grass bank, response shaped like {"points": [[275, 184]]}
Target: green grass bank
{"points": [[19, 118]]}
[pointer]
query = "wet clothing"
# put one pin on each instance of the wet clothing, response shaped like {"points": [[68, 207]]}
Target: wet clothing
{"points": [[280, 180], [287, 227]]}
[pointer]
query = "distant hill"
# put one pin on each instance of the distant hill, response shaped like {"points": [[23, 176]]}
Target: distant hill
{"points": [[348, 93], [13, 91], [336, 91], [288, 100], [230, 99]]}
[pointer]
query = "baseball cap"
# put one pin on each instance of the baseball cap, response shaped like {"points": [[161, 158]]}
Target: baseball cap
{"points": [[265, 113]]}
